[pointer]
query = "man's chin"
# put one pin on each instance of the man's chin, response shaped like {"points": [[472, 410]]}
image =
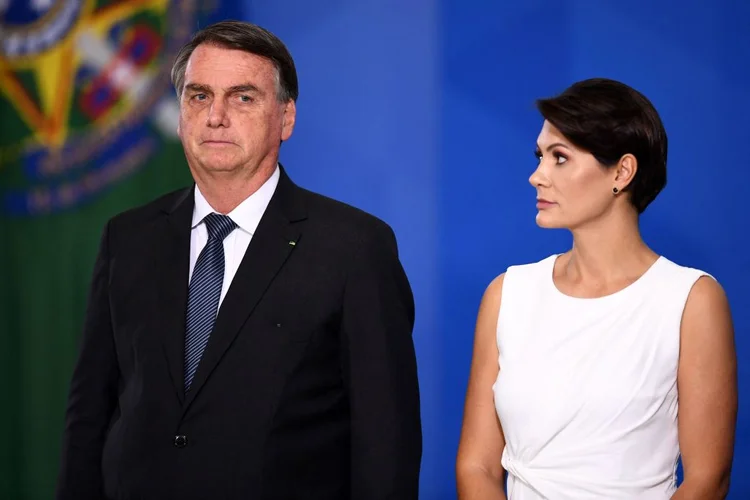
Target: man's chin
{"points": [[219, 163]]}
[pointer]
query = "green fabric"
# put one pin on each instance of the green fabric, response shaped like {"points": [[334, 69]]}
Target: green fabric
{"points": [[45, 268], [46, 260]]}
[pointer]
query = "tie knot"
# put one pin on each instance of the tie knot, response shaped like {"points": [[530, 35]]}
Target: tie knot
{"points": [[219, 226]]}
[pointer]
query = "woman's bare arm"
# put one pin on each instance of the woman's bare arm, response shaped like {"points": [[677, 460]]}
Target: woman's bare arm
{"points": [[707, 391], [479, 474]]}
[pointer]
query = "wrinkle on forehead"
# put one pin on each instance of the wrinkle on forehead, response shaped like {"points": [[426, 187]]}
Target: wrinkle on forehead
{"points": [[213, 54]]}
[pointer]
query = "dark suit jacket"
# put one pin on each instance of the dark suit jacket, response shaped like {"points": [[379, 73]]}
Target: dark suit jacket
{"points": [[307, 388]]}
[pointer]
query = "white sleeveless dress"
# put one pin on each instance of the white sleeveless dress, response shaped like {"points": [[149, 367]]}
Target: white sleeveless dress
{"points": [[587, 388]]}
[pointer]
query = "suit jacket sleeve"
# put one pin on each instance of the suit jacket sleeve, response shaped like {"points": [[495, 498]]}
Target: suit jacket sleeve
{"points": [[381, 373], [93, 393]]}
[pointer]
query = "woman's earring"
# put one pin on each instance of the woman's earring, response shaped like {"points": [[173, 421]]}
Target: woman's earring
{"points": [[615, 190]]}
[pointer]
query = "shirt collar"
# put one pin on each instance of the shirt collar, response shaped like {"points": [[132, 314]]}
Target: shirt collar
{"points": [[247, 214]]}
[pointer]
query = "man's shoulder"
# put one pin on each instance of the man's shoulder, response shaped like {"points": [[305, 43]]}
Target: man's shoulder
{"points": [[343, 217], [146, 212]]}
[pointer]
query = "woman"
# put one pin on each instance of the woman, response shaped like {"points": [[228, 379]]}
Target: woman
{"points": [[580, 359]]}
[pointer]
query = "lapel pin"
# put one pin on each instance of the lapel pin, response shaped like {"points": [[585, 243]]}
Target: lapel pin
{"points": [[292, 243]]}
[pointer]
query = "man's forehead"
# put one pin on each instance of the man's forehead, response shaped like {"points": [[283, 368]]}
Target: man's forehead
{"points": [[228, 86], [228, 72]]}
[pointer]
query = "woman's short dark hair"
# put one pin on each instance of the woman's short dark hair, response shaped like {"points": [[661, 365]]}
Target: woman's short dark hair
{"points": [[242, 36], [610, 119]]}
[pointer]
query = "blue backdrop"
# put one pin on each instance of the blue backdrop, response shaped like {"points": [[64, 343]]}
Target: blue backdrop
{"points": [[421, 111]]}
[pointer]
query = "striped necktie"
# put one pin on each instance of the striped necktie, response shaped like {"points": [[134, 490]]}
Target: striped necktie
{"points": [[204, 292]]}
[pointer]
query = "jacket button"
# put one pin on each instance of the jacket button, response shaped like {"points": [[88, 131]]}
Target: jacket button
{"points": [[180, 441]]}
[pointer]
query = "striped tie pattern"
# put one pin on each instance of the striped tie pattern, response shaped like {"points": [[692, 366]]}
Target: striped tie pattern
{"points": [[204, 292]]}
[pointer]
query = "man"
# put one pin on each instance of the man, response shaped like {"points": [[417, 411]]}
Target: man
{"points": [[303, 385]]}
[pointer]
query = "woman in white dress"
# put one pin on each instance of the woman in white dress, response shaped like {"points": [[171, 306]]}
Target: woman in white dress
{"points": [[580, 359]]}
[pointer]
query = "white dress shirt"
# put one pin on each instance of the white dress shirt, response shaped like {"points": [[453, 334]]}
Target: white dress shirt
{"points": [[246, 215]]}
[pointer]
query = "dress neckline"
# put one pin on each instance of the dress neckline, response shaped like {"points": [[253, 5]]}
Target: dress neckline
{"points": [[631, 288]]}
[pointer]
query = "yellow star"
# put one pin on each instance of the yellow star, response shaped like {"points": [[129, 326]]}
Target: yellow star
{"points": [[55, 70]]}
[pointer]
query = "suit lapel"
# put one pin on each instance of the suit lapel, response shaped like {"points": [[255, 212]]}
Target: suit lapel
{"points": [[171, 271], [270, 247]]}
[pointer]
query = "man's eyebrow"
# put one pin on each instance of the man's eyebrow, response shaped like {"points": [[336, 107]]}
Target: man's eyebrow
{"points": [[244, 87], [198, 87]]}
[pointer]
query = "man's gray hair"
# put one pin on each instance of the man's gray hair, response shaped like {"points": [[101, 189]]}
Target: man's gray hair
{"points": [[249, 38]]}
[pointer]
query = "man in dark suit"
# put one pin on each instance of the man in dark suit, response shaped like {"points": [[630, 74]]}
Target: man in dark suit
{"points": [[245, 338]]}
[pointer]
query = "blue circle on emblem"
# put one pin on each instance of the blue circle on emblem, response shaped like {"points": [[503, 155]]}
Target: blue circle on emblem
{"points": [[32, 26], [16, 13]]}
